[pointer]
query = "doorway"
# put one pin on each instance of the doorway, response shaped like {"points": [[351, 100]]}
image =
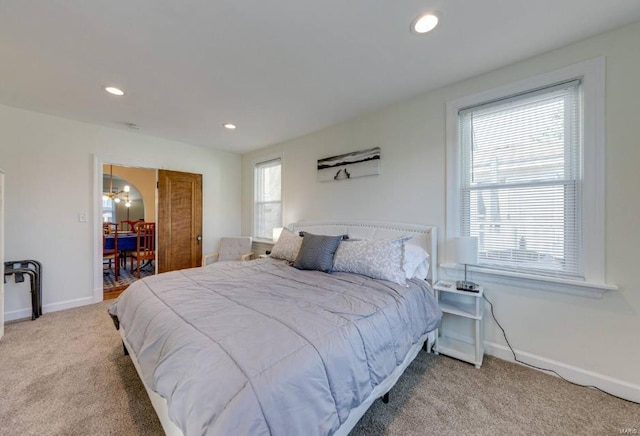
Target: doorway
{"points": [[179, 225], [128, 200]]}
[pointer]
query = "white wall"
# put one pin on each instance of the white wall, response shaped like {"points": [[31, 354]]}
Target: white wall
{"points": [[587, 339], [41, 216]]}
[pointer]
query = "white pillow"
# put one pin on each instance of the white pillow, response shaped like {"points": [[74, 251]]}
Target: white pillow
{"points": [[422, 271], [414, 261], [287, 246], [375, 258]]}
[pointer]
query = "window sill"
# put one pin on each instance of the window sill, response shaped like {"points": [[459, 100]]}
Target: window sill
{"points": [[552, 284], [264, 241]]}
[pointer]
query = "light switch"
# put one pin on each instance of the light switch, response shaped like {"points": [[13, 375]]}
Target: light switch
{"points": [[82, 217]]}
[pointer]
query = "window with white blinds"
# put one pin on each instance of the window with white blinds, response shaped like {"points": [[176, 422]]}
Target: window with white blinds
{"points": [[267, 198], [520, 180]]}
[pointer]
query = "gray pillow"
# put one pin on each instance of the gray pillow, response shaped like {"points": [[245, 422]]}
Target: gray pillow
{"points": [[316, 252]]}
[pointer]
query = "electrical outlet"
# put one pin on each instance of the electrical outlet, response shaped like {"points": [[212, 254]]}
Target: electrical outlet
{"points": [[82, 217]]}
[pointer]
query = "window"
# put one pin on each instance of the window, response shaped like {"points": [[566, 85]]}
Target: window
{"points": [[267, 198], [526, 175], [108, 211], [520, 180]]}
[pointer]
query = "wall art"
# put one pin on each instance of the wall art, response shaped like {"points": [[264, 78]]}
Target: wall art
{"points": [[350, 165]]}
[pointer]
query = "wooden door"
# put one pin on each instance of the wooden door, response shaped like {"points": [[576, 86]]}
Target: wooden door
{"points": [[179, 220]]}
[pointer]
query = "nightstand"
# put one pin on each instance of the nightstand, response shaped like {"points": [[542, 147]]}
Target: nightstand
{"points": [[458, 306]]}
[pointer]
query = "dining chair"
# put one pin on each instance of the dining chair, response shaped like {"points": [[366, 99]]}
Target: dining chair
{"points": [[127, 226], [231, 249], [145, 244], [109, 231]]}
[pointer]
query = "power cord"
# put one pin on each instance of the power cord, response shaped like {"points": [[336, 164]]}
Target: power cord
{"points": [[504, 334]]}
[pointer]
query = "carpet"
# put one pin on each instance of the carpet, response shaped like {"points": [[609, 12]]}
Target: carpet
{"points": [[65, 374]]}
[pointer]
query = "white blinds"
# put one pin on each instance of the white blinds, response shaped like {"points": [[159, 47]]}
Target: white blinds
{"points": [[521, 181], [268, 198]]}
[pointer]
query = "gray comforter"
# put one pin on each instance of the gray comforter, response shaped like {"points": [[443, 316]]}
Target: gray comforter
{"points": [[262, 348]]}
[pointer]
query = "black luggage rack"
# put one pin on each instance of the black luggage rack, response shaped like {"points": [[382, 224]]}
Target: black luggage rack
{"points": [[32, 268]]}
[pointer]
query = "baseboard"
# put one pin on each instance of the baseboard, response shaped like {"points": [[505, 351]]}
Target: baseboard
{"points": [[98, 294], [53, 307], [581, 376]]}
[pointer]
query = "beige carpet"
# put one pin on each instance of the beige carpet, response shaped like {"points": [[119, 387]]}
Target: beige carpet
{"points": [[65, 374]]}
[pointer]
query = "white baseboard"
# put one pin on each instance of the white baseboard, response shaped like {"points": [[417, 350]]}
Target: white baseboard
{"points": [[581, 376], [98, 294], [17, 314], [53, 307]]}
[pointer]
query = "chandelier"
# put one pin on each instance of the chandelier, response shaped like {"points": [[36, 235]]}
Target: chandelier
{"points": [[115, 194]]}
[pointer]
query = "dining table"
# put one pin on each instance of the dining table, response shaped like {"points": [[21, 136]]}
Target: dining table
{"points": [[126, 241]]}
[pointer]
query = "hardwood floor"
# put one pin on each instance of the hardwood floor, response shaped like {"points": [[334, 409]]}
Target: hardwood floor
{"points": [[114, 293]]}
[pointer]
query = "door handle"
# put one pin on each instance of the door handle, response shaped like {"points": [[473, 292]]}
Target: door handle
{"points": [[199, 238]]}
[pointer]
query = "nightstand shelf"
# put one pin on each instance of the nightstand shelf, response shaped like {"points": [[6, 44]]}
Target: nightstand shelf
{"points": [[457, 305], [459, 308], [455, 348]]}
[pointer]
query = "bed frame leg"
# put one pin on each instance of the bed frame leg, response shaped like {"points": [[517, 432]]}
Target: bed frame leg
{"points": [[124, 349], [385, 398]]}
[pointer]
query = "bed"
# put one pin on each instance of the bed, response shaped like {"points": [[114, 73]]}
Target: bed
{"points": [[261, 347]]}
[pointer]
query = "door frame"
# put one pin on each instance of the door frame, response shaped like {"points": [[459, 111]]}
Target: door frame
{"points": [[98, 162]]}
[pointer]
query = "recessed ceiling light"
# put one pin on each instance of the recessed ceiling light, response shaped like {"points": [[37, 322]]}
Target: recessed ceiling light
{"points": [[113, 90], [229, 126], [425, 23]]}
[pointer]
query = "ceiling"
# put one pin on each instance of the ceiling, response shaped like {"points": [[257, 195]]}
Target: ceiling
{"points": [[278, 69]]}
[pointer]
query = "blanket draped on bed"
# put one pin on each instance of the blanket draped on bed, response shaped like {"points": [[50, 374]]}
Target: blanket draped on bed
{"points": [[262, 348]]}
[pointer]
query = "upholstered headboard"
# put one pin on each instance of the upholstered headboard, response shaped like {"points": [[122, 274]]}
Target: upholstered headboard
{"points": [[423, 236]]}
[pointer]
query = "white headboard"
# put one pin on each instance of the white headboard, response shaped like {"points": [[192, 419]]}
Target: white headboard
{"points": [[423, 236]]}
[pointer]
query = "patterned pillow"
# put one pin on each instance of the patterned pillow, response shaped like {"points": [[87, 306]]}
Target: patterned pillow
{"points": [[316, 252], [287, 246], [375, 258]]}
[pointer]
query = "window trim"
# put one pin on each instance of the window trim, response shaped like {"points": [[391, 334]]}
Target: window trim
{"points": [[255, 163], [592, 74]]}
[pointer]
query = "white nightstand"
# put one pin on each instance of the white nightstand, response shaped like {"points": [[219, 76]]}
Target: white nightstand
{"points": [[455, 305]]}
